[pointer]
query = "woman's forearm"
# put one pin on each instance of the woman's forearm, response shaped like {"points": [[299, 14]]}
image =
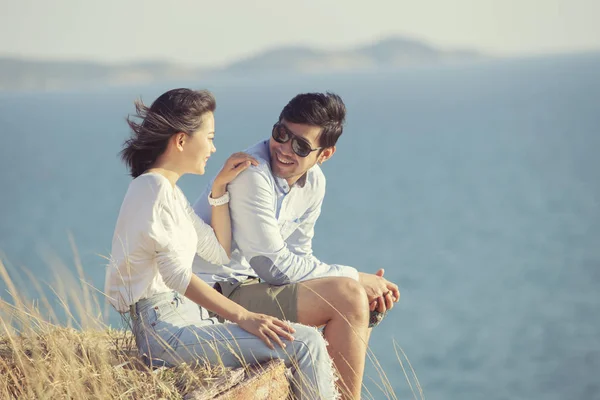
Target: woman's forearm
{"points": [[220, 219], [202, 294]]}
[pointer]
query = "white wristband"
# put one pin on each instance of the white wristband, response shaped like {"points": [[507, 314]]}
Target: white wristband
{"points": [[218, 201]]}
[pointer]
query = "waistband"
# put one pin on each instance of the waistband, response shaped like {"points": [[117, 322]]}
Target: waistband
{"points": [[151, 301]]}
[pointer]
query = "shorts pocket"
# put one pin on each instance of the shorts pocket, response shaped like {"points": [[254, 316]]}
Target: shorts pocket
{"points": [[161, 312]]}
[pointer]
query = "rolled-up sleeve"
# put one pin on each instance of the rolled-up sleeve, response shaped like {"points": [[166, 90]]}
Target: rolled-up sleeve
{"points": [[257, 234], [300, 241]]}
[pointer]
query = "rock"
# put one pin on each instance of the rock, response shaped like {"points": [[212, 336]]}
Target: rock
{"points": [[266, 381]]}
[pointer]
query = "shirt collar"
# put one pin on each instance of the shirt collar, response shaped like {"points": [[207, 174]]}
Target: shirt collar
{"points": [[302, 181], [283, 185]]}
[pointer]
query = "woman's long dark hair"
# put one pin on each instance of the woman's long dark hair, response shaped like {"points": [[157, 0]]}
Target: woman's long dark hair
{"points": [[178, 110]]}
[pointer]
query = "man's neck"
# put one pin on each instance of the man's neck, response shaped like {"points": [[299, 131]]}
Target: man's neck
{"points": [[292, 181], [300, 180]]}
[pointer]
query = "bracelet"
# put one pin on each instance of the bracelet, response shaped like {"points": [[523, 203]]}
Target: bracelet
{"points": [[218, 201]]}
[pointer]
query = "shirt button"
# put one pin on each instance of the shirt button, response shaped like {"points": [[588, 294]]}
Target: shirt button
{"points": [[153, 324]]}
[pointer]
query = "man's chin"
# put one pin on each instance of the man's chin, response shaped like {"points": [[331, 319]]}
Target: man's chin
{"points": [[286, 173], [277, 171], [278, 174]]}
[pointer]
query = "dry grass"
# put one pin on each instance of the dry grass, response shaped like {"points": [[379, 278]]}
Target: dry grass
{"points": [[63, 363], [42, 359]]}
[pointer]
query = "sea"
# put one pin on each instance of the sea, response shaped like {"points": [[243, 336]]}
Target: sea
{"points": [[475, 186]]}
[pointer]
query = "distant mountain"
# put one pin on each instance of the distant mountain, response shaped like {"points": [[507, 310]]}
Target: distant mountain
{"points": [[391, 52], [20, 74]]}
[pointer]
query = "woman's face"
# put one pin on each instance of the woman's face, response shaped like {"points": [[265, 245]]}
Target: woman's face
{"points": [[199, 147]]}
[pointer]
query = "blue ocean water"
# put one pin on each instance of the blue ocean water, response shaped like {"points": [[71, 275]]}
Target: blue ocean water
{"points": [[476, 187]]}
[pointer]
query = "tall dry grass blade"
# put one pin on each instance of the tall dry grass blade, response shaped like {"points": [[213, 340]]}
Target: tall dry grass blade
{"points": [[52, 317], [414, 374], [87, 304], [12, 290], [386, 387], [405, 374]]}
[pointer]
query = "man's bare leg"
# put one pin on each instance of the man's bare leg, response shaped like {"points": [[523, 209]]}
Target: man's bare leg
{"points": [[342, 304]]}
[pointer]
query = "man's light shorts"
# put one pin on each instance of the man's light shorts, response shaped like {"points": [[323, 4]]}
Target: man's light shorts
{"points": [[263, 298]]}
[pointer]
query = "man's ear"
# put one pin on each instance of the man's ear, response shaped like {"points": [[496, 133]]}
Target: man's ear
{"points": [[326, 154]]}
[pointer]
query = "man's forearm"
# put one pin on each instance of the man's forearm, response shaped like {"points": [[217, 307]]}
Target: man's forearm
{"points": [[282, 269]]}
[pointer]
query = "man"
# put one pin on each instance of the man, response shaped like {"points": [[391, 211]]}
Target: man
{"points": [[274, 207]]}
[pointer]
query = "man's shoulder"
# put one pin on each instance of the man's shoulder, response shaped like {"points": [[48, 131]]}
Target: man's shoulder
{"points": [[259, 150], [255, 174]]}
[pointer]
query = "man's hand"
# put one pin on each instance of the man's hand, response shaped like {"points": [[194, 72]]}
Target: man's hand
{"points": [[382, 294]]}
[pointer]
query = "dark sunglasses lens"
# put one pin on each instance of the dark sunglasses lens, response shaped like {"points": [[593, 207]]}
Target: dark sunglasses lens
{"points": [[301, 148], [280, 134]]}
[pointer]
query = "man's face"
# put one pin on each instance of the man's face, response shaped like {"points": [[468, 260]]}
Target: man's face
{"points": [[284, 162]]}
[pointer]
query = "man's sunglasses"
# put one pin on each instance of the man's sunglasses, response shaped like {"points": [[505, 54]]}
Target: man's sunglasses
{"points": [[281, 134]]}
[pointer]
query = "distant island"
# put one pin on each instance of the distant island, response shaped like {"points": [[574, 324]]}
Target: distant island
{"points": [[21, 74]]}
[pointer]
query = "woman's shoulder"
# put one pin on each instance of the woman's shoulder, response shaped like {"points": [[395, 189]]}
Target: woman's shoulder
{"points": [[149, 187]]}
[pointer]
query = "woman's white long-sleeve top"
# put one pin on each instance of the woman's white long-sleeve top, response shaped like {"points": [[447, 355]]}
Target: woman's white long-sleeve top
{"points": [[156, 236]]}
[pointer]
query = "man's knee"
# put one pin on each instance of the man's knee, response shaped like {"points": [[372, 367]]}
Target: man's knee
{"points": [[322, 300], [355, 294], [349, 297]]}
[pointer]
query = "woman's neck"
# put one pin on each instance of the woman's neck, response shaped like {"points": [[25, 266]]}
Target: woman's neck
{"points": [[168, 173]]}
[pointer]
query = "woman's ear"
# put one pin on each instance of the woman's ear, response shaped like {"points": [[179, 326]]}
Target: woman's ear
{"points": [[179, 139]]}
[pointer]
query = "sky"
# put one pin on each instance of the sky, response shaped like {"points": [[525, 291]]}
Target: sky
{"points": [[213, 33]]}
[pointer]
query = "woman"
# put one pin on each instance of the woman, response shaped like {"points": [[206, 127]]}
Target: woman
{"points": [[156, 237]]}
